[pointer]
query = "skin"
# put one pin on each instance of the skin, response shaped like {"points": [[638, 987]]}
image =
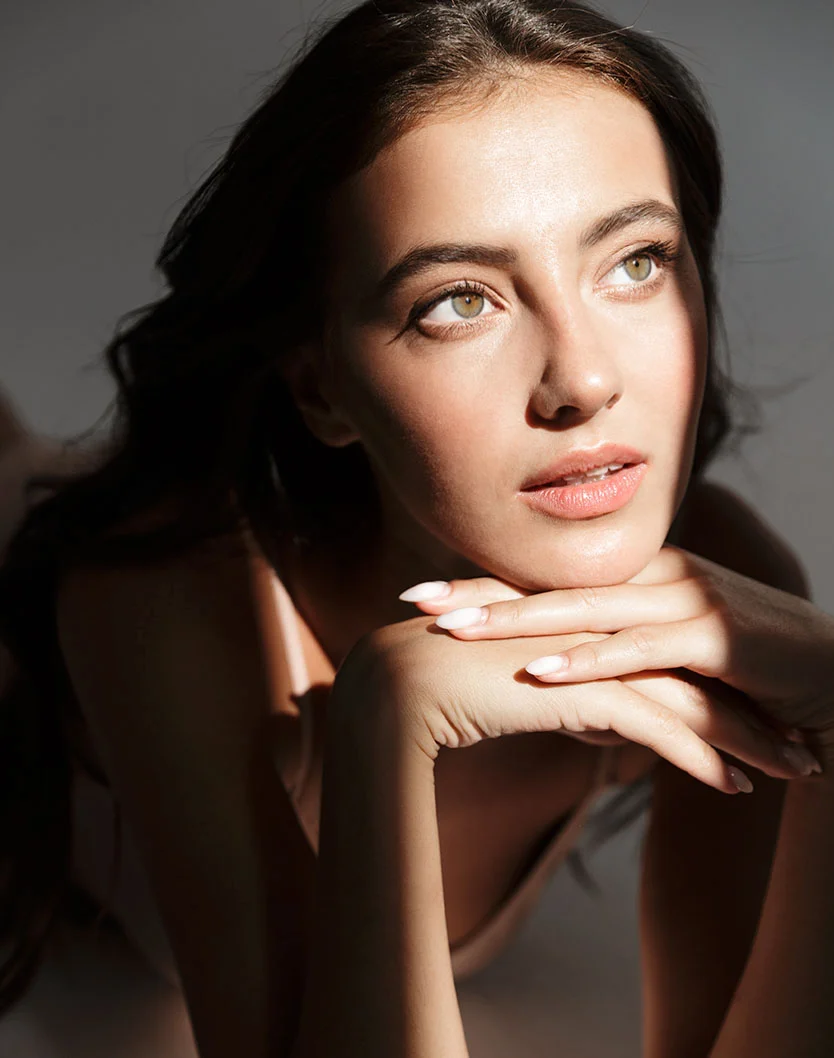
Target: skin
{"points": [[565, 348], [557, 356]]}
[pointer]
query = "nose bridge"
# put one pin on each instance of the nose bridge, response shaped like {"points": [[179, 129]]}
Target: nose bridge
{"points": [[579, 368]]}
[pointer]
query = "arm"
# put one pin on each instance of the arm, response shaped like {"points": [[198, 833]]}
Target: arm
{"points": [[172, 666], [705, 868], [174, 670], [784, 1005], [381, 980], [707, 860]]}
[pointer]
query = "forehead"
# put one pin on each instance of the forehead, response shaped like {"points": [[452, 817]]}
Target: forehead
{"points": [[545, 156]]}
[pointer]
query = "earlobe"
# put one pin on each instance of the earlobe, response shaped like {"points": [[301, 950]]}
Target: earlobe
{"points": [[304, 376]]}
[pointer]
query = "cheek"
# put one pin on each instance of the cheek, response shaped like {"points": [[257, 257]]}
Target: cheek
{"points": [[673, 369], [422, 426]]}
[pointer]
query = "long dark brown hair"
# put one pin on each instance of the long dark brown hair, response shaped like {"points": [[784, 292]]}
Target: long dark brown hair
{"points": [[203, 426]]}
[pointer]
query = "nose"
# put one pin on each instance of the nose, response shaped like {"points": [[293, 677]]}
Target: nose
{"points": [[579, 370]]}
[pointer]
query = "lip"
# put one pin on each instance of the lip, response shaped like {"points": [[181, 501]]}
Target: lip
{"points": [[581, 460], [590, 499]]}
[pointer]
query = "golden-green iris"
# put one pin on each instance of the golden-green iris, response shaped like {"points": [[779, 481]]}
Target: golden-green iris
{"points": [[472, 302], [638, 268]]}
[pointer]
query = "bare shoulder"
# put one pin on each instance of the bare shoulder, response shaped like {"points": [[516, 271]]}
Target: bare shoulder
{"points": [[227, 569], [193, 635]]}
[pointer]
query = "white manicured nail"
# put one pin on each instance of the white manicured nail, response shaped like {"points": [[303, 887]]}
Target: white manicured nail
{"points": [[427, 589], [544, 666], [801, 760], [463, 618], [740, 780]]}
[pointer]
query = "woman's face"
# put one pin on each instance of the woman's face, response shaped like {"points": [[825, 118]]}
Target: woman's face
{"points": [[568, 340]]}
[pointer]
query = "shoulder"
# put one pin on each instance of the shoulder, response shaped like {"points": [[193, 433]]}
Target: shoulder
{"points": [[723, 527], [200, 615], [206, 568]]}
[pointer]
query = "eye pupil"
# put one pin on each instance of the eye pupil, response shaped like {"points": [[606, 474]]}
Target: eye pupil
{"points": [[639, 267]]}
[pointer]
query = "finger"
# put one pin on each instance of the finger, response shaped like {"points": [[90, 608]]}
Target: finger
{"points": [[615, 706], [439, 596], [711, 716], [698, 644], [669, 564], [738, 700], [603, 609]]}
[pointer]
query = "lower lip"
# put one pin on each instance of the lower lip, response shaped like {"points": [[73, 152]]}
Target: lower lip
{"points": [[589, 499]]}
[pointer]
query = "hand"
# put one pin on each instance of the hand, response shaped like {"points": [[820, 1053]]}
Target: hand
{"points": [[441, 692], [758, 646]]}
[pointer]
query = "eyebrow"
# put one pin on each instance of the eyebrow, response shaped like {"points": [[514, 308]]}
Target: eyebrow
{"points": [[421, 258]]}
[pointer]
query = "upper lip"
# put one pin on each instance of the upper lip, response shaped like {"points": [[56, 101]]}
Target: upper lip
{"points": [[581, 460]]}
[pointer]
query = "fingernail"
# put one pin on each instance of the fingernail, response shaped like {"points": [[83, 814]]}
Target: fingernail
{"points": [[544, 666], [740, 780], [801, 760], [463, 618], [425, 590]]}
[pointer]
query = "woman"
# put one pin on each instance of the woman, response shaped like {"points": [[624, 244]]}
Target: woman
{"points": [[421, 291]]}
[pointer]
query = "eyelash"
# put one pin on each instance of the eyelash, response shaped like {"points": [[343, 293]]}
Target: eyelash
{"points": [[664, 253]]}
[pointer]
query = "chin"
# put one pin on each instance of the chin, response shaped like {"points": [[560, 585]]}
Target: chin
{"points": [[612, 557]]}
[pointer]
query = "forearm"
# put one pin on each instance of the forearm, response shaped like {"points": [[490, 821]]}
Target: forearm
{"points": [[784, 1004], [380, 980]]}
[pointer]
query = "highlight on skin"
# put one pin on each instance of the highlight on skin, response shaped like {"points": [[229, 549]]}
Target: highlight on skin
{"points": [[587, 325], [351, 418]]}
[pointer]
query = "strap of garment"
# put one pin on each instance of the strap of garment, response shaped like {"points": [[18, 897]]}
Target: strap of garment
{"points": [[473, 952]]}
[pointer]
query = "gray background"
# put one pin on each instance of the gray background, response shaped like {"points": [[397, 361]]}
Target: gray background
{"points": [[110, 110]]}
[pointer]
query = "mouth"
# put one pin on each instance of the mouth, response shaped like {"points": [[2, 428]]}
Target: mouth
{"points": [[586, 465], [590, 494], [598, 474]]}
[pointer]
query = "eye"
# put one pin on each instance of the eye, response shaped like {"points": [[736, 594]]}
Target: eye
{"points": [[643, 267], [637, 268], [462, 302]]}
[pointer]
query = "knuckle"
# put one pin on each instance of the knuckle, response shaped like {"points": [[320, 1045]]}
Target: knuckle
{"points": [[477, 585], [509, 612], [572, 717], [584, 654], [642, 641], [714, 599], [695, 697], [700, 588], [666, 722], [589, 597], [708, 640]]}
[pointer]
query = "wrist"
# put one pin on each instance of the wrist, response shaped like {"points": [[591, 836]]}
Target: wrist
{"points": [[370, 714]]}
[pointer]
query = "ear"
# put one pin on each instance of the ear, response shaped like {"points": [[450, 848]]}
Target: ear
{"points": [[307, 377]]}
